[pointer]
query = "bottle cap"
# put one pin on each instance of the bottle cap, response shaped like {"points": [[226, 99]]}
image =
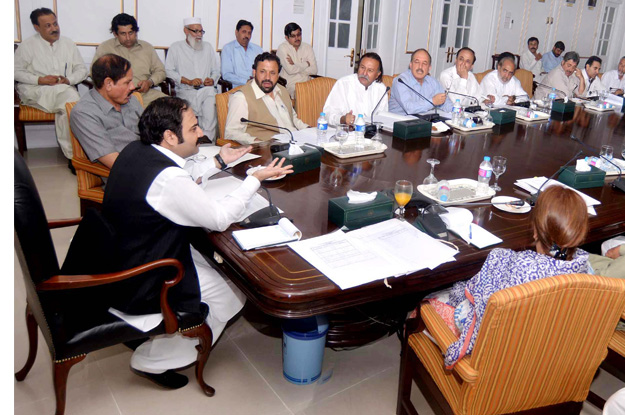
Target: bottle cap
{"points": [[323, 114], [443, 198], [486, 158], [360, 116]]}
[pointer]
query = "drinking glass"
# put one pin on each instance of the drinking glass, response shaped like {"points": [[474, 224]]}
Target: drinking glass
{"points": [[403, 193], [431, 181], [377, 138], [607, 152], [499, 168], [342, 131], [623, 150]]}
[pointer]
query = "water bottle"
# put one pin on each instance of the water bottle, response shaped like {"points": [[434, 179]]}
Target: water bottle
{"points": [[322, 128], [483, 177], [455, 112], [359, 127], [551, 97], [468, 122], [444, 191]]}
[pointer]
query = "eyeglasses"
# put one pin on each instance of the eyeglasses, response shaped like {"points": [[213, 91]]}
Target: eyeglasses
{"points": [[195, 31]]}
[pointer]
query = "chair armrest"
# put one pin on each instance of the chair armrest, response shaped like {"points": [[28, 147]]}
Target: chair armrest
{"points": [[316, 76], [63, 223], [64, 282], [225, 85], [168, 86], [90, 167], [87, 83], [444, 338], [282, 81]]}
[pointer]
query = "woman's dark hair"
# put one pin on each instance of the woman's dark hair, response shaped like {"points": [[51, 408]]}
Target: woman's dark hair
{"points": [[267, 56], [161, 115], [560, 218], [109, 66], [123, 19], [290, 28], [373, 55]]}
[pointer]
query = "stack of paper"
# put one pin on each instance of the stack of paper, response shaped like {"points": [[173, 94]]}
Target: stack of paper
{"points": [[532, 185], [459, 221], [266, 236], [387, 249]]}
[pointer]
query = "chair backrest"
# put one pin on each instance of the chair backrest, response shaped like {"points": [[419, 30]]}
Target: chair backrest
{"points": [[479, 76], [540, 343], [33, 242], [387, 80], [311, 97], [527, 80], [221, 102]]}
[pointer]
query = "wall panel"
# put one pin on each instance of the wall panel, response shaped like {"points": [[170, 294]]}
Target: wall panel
{"points": [[160, 23], [285, 11], [250, 10], [87, 28]]}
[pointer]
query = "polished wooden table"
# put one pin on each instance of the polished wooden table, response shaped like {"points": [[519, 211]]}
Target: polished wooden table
{"points": [[282, 284]]}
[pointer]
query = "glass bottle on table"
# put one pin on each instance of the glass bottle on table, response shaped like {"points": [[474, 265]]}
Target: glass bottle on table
{"points": [[403, 194]]}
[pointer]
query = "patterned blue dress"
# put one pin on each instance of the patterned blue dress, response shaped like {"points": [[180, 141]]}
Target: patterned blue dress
{"points": [[502, 269]]}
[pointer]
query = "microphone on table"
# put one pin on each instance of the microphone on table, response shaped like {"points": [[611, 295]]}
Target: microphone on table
{"points": [[532, 199], [269, 215], [517, 202], [619, 182], [269, 125], [473, 108], [370, 129], [430, 117]]}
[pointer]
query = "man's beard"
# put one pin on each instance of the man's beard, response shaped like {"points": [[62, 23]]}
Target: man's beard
{"points": [[196, 44], [266, 90]]}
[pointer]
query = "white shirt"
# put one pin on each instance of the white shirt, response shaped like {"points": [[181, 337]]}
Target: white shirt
{"points": [[610, 80], [237, 109], [299, 71], [183, 60], [492, 85], [529, 62], [348, 94], [591, 90], [450, 80], [175, 194]]}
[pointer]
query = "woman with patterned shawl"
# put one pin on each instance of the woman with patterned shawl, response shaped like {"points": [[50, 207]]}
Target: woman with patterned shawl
{"points": [[560, 223]]}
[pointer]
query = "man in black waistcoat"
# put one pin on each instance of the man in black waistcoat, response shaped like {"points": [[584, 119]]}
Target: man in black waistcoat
{"points": [[152, 197]]}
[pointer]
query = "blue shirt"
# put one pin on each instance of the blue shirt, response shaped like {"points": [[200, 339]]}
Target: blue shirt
{"points": [[550, 61], [236, 62], [405, 102]]}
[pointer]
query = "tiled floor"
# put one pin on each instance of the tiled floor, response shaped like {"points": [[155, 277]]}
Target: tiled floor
{"points": [[244, 367]]}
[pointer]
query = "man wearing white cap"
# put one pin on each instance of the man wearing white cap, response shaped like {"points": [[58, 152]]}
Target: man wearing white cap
{"points": [[195, 68]]}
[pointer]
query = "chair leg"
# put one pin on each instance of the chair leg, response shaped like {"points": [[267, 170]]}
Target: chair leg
{"points": [[61, 370], [33, 339], [404, 406], [20, 133], [205, 335]]}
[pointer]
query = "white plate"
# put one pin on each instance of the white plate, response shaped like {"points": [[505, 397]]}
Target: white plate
{"points": [[485, 126], [462, 191], [541, 116], [594, 107], [510, 208], [440, 128], [371, 147], [254, 169]]}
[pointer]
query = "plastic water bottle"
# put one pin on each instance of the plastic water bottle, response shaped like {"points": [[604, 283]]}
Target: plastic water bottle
{"points": [[359, 127], [468, 122], [444, 191], [551, 97], [456, 112], [483, 176], [322, 128]]}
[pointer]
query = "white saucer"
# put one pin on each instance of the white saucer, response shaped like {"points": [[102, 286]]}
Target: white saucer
{"points": [[510, 208], [254, 169]]}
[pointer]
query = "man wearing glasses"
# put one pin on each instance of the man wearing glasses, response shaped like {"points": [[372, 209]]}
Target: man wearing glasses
{"points": [[297, 58], [195, 68]]}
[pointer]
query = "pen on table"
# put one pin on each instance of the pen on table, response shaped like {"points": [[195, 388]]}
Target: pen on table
{"points": [[65, 73], [470, 231]]}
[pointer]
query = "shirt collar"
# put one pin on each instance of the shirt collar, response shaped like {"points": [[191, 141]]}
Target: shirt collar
{"points": [[45, 42], [104, 105], [259, 94], [170, 154], [117, 44]]}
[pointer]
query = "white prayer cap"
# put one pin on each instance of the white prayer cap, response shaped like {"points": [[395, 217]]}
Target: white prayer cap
{"points": [[192, 20]]}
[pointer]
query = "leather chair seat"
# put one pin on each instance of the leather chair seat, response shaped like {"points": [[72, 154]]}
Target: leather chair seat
{"points": [[79, 333]]}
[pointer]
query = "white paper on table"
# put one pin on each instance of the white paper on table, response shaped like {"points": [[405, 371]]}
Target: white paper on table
{"points": [[459, 221], [305, 136], [615, 100], [220, 188], [346, 261], [402, 243], [533, 184], [390, 118], [211, 151], [276, 235]]}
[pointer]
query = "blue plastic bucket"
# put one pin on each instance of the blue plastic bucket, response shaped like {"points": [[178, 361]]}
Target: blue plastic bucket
{"points": [[303, 343]]}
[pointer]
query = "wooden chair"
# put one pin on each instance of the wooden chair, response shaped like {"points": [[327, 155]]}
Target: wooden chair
{"points": [[52, 300], [479, 76], [517, 59], [88, 174], [539, 346], [387, 80], [311, 97], [527, 80], [221, 102]]}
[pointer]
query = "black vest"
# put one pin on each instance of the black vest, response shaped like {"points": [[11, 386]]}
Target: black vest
{"points": [[143, 235]]}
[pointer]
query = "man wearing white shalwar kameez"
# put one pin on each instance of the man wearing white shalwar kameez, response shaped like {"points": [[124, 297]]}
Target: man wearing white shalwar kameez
{"points": [[195, 68], [46, 68]]}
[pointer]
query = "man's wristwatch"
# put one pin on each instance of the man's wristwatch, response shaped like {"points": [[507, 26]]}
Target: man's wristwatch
{"points": [[223, 165]]}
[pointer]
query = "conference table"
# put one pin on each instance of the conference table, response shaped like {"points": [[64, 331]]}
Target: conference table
{"points": [[283, 285]]}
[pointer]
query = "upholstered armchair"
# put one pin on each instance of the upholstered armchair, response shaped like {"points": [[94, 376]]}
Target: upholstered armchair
{"points": [[539, 346], [221, 103], [311, 97], [72, 331]]}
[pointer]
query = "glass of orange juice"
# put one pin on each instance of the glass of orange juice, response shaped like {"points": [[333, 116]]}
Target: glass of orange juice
{"points": [[403, 193]]}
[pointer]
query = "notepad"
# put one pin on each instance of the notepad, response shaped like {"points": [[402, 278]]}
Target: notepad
{"points": [[267, 236], [459, 221]]}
